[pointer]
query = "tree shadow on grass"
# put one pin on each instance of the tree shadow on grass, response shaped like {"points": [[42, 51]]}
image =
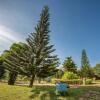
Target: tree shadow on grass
{"points": [[45, 94], [48, 93]]}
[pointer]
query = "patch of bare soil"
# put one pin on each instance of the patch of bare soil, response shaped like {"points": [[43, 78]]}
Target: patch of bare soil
{"points": [[91, 95]]}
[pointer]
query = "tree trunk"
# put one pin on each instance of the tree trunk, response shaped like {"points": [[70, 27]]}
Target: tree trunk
{"points": [[39, 80], [84, 81], [32, 80], [12, 78]]}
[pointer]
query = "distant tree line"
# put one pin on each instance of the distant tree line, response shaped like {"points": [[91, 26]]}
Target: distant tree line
{"points": [[70, 69]]}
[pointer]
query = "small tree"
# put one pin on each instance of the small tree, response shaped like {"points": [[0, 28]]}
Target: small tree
{"points": [[2, 69], [97, 70], [13, 62], [69, 65]]}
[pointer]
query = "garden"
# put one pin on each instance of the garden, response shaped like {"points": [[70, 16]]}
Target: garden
{"points": [[30, 70]]}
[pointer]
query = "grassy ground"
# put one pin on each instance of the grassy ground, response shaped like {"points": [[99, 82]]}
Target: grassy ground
{"points": [[14, 92], [41, 93]]}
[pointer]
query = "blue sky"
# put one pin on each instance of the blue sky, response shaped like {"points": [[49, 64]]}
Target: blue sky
{"points": [[74, 25]]}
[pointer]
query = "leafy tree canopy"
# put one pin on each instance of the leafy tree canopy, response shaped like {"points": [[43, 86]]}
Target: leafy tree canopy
{"points": [[97, 70]]}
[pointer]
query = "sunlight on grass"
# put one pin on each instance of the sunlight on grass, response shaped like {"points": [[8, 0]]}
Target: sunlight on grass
{"points": [[14, 92]]}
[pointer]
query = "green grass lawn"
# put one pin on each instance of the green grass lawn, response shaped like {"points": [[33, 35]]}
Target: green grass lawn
{"points": [[25, 93]]}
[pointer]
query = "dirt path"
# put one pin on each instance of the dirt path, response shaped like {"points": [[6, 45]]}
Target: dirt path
{"points": [[91, 95]]}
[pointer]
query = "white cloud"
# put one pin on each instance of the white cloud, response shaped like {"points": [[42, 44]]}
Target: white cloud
{"points": [[7, 37], [7, 33]]}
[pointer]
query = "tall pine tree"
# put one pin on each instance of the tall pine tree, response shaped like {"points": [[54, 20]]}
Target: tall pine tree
{"points": [[84, 59], [85, 66], [43, 60]]}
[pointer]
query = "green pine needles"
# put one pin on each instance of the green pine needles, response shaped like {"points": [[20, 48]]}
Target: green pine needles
{"points": [[35, 58]]}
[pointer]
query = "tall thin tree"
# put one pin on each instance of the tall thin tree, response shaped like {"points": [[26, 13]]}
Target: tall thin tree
{"points": [[85, 65], [42, 57]]}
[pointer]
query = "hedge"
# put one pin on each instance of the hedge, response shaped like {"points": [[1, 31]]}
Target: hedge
{"points": [[89, 81], [73, 81]]}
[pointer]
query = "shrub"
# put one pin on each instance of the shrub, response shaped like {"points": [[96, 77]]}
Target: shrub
{"points": [[72, 82], [88, 81], [69, 75]]}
